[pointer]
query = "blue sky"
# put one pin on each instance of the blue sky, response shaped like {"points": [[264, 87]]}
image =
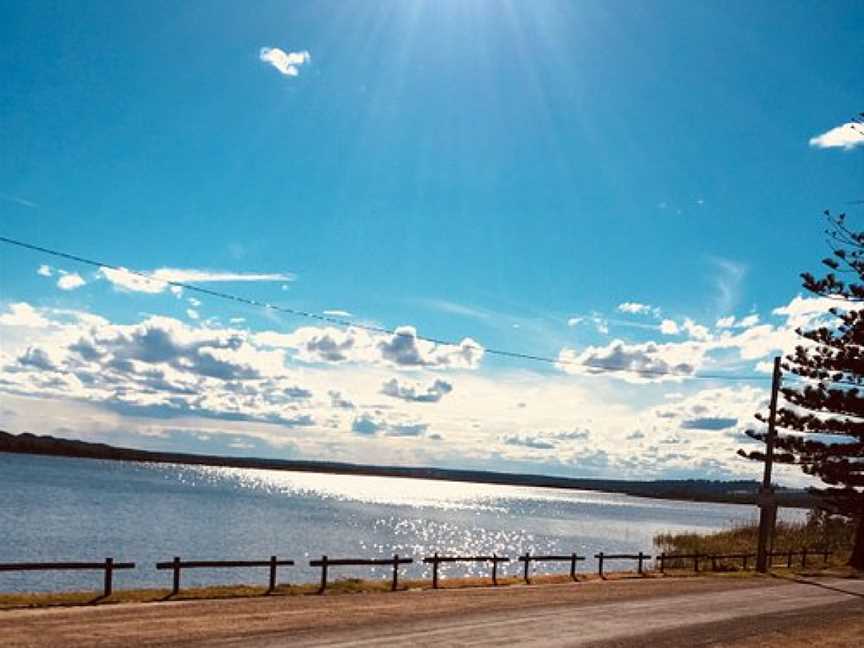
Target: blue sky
{"points": [[509, 172]]}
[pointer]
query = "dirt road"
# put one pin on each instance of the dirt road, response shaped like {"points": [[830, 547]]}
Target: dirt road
{"points": [[669, 612]]}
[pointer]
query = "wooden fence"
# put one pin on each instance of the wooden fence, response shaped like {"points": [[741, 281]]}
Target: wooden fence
{"points": [[325, 563], [108, 566], [177, 565], [601, 557], [663, 558], [435, 560], [528, 559]]}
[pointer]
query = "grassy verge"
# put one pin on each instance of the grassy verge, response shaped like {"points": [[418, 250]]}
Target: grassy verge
{"points": [[819, 531], [338, 587]]}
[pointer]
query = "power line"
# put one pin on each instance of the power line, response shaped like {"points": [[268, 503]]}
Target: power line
{"points": [[598, 367]]}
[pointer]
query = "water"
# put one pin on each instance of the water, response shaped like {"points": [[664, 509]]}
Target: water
{"points": [[62, 509]]}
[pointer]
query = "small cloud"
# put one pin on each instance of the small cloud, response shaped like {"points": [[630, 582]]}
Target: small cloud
{"points": [[192, 313], [70, 281], [669, 327], [725, 322], [417, 393], [574, 321], [155, 282], [288, 63], [44, 270], [635, 308], [847, 136], [194, 303], [747, 322], [696, 331], [337, 313], [18, 201], [600, 324]]}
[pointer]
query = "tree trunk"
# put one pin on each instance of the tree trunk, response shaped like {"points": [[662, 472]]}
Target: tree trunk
{"points": [[856, 560]]}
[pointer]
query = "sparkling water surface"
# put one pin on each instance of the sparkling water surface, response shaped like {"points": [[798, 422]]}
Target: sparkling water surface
{"points": [[64, 509]]}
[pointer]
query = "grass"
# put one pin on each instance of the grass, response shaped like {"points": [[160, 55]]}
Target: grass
{"points": [[337, 587], [820, 531]]}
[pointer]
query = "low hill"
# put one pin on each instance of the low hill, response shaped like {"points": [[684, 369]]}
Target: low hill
{"points": [[739, 492]]}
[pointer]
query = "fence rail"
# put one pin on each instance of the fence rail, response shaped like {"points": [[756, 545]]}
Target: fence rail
{"points": [[178, 565], [663, 558], [325, 563], [436, 560], [601, 557], [527, 559], [108, 566]]}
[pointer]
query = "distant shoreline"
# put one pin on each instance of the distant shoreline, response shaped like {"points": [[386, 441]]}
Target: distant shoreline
{"points": [[724, 492]]}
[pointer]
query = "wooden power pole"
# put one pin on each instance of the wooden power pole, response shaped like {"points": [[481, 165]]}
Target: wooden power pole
{"points": [[767, 500]]}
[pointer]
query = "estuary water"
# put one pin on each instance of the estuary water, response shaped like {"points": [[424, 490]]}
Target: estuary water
{"points": [[63, 509]]}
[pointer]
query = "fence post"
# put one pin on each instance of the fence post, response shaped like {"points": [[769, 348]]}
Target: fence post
{"points": [[696, 563], [789, 560], [395, 573], [435, 571], [639, 569], [176, 588], [804, 558], [746, 556], [109, 577], [573, 566], [272, 574], [323, 574], [600, 564], [527, 559], [494, 569], [713, 562]]}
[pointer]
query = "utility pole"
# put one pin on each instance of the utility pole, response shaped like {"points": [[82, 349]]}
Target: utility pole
{"points": [[767, 501]]}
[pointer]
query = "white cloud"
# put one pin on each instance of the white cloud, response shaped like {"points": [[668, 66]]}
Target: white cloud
{"points": [[669, 327], [415, 392], [154, 282], [164, 374], [403, 349], [44, 270], [847, 136], [696, 331], [288, 63], [600, 324], [207, 276], [337, 313], [635, 308], [125, 280], [191, 313], [70, 281], [23, 314], [728, 281], [635, 362], [574, 321], [731, 322], [725, 322]]}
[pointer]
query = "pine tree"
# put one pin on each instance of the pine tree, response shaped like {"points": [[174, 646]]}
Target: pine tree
{"points": [[821, 427]]}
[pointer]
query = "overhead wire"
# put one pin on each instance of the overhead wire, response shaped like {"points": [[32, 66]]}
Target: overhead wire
{"points": [[593, 368]]}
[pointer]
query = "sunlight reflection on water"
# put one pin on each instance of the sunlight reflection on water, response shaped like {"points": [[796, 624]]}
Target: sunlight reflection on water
{"points": [[74, 509]]}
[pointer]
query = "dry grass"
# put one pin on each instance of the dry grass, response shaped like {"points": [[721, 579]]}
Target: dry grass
{"points": [[819, 531], [336, 587]]}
